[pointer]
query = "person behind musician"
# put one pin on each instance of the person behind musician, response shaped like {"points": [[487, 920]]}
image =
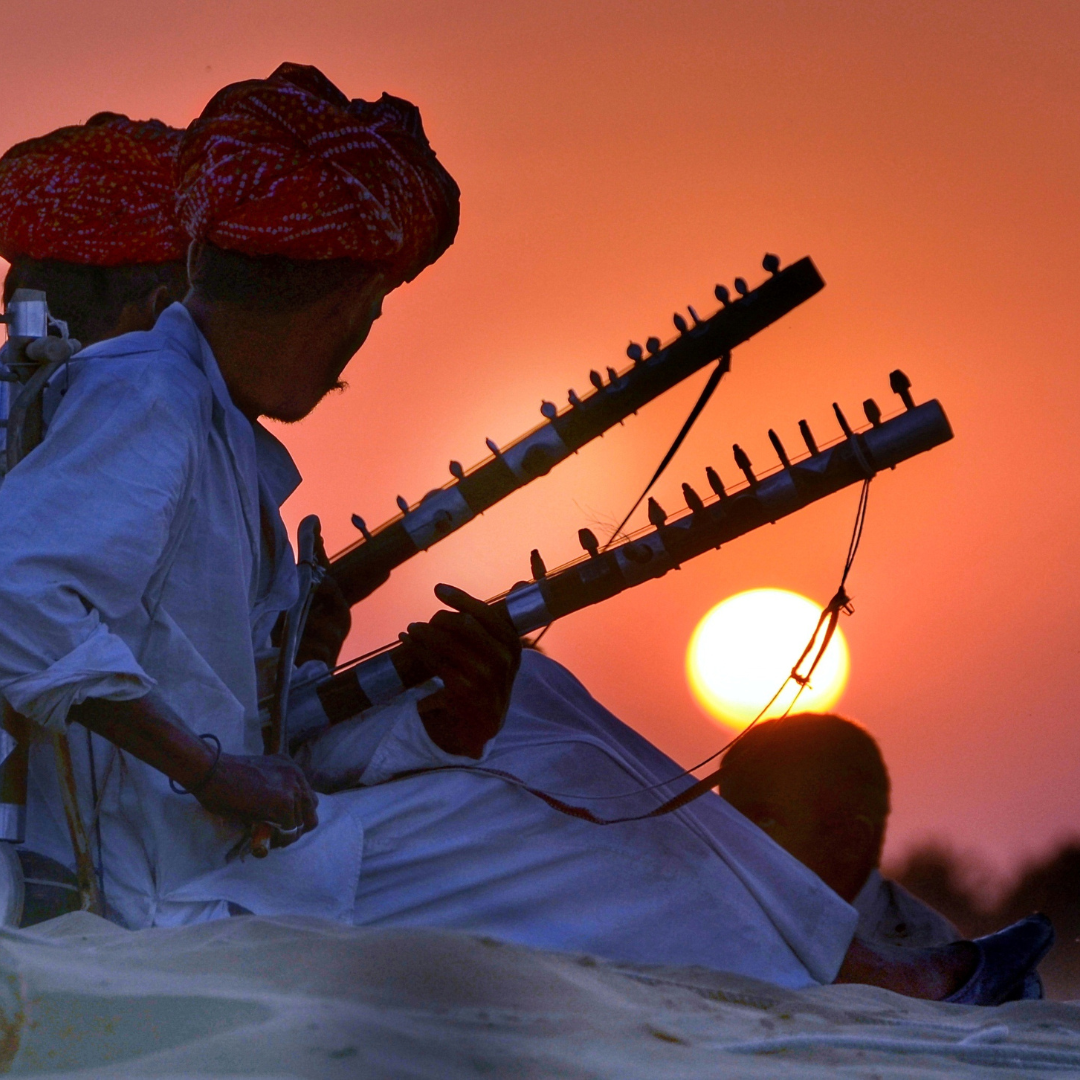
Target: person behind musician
{"points": [[135, 608], [818, 785], [86, 215]]}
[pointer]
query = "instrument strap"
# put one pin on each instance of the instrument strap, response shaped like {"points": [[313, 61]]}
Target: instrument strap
{"points": [[721, 369]]}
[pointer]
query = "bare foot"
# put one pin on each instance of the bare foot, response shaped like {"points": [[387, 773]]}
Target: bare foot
{"points": [[931, 974]]}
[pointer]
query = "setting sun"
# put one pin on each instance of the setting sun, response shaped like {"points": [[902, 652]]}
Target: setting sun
{"points": [[744, 648]]}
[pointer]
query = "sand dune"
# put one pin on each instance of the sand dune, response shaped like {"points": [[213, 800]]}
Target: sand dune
{"points": [[274, 998]]}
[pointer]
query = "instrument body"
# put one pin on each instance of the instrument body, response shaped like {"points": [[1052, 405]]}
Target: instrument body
{"points": [[652, 554], [363, 567]]}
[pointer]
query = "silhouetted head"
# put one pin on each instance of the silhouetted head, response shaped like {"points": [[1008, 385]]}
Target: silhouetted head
{"points": [[817, 784], [99, 302], [87, 215], [305, 209]]}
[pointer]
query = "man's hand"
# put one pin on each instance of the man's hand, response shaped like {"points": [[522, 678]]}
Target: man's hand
{"points": [[476, 651], [244, 789], [328, 623], [252, 790]]}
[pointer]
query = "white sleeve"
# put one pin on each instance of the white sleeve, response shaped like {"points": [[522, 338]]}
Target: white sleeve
{"points": [[84, 522], [376, 746]]}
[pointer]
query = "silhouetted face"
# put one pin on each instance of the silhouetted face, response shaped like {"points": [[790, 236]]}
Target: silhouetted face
{"points": [[813, 821], [325, 337]]}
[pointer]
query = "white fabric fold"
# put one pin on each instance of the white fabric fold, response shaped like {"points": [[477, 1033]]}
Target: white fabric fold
{"points": [[99, 667]]}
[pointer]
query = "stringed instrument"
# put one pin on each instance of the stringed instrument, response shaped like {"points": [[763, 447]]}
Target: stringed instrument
{"points": [[361, 568], [602, 574]]}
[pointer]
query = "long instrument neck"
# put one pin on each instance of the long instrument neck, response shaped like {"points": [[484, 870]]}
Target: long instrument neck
{"points": [[665, 547], [364, 566]]}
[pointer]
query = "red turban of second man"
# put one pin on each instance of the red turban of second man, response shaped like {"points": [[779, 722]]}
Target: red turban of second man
{"points": [[289, 166], [98, 194]]}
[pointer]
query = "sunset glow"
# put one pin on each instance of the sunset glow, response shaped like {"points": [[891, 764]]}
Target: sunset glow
{"points": [[617, 161], [744, 648]]}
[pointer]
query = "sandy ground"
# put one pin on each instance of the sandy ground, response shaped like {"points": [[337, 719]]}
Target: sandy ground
{"points": [[275, 998]]}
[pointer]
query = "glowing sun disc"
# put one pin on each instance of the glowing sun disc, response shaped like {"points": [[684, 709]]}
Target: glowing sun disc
{"points": [[744, 648]]}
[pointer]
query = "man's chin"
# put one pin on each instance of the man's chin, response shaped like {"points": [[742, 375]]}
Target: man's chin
{"points": [[292, 412]]}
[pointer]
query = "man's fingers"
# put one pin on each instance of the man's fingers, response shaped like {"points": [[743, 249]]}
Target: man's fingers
{"points": [[459, 645], [464, 628], [451, 669], [494, 621], [457, 653]]}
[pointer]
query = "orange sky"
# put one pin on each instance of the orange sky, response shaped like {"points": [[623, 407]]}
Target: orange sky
{"points": [[617, 160]]}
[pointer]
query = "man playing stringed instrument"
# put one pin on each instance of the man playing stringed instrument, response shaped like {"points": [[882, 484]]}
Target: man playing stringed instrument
{"points": [[144, 564]]}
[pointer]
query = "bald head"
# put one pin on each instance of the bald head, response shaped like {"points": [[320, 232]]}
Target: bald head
{"points": [[817, 784]]}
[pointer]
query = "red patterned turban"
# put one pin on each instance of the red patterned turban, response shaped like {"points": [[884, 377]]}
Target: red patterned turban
{"points": [[289, 166], [99, 194]]}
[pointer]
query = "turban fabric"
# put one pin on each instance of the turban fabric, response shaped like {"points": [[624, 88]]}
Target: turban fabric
{"points": [[289, 166], [99, 194]]}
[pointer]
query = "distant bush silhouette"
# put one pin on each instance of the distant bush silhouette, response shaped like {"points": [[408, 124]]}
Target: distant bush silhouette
{"points": [[945, 880]]}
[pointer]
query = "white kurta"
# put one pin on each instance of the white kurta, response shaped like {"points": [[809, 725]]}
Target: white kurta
{"points": [[701, 886], [141, 544]]}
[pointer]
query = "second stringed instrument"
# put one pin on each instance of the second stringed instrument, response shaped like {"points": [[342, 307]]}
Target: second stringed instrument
{"points": [[858, 456], [361, 568]]}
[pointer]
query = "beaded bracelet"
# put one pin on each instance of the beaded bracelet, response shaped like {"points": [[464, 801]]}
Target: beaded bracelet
{"points": [[196, 788]]}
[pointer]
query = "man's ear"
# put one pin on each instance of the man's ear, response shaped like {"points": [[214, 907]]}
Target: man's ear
{"points": [[159, 300], [194, 253]]}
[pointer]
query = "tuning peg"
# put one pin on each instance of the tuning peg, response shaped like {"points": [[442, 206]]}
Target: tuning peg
{"points": [[657, 515], [680, 323], [743, 462], [456, 471], [900, 384], [587, 539], [693, 499], [574, 400], [770, 264], [549, 409], [613, 376], [808, 438], [778, 446], [873, 413], [722, 294], [653, 345], [536, 565], [596, 379], [741, 287], [634, 351], [715, 482], [693, 314], [359, 523], [842, 419], [403, 506]]}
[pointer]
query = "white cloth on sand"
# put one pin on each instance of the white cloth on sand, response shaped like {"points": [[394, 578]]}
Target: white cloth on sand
{"points": [[141, 546], [890, 915], [703, 885]]}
